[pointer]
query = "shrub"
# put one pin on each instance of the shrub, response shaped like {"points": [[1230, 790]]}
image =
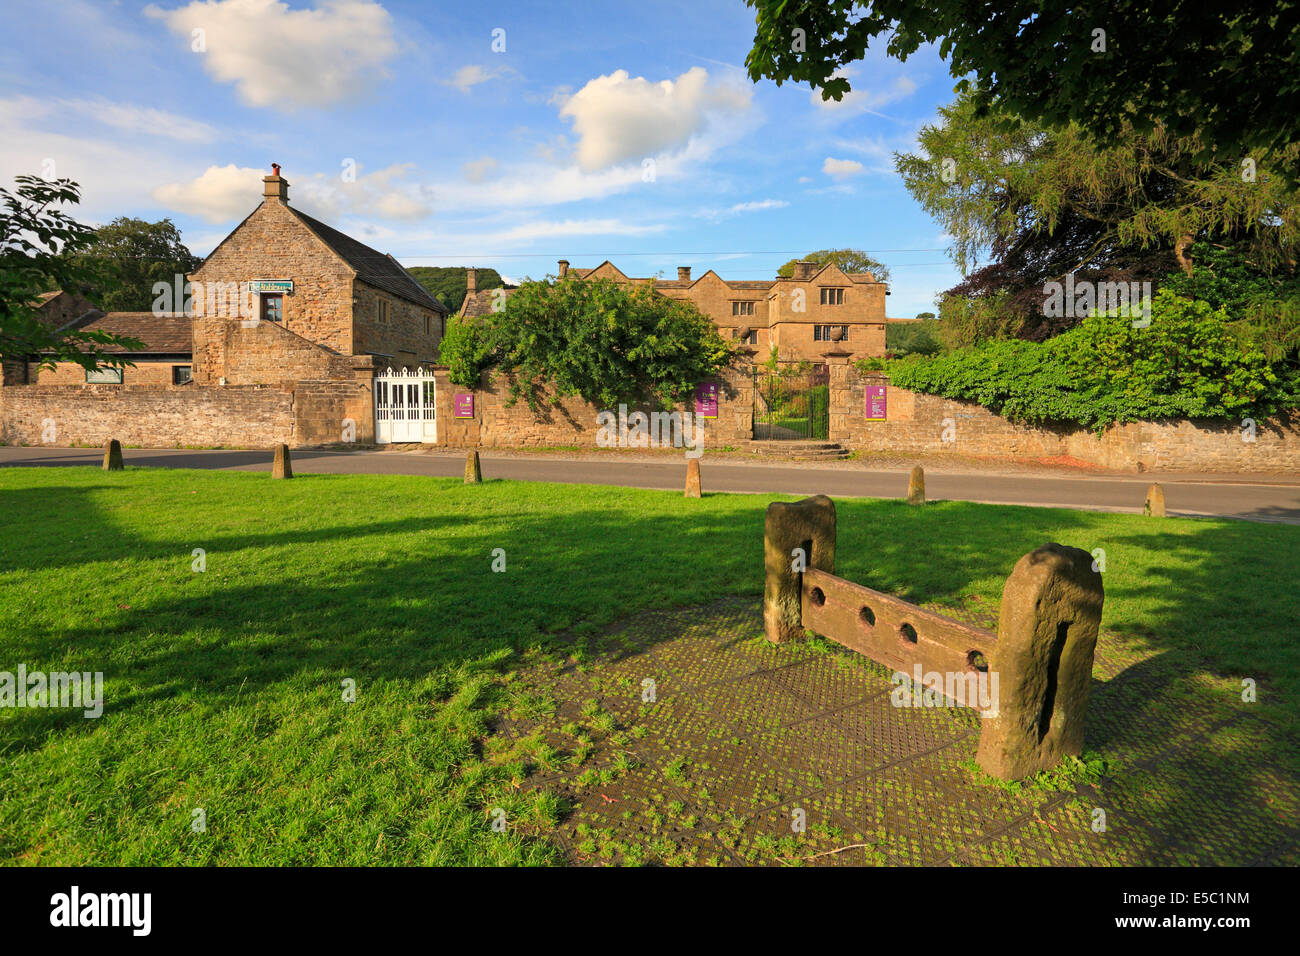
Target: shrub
{"points": [[1187, 363]]}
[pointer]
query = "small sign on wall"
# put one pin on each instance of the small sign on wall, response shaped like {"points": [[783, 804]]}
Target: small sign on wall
{"points": [[877, 402], [271, 285], [464, 404], [706, 400]]}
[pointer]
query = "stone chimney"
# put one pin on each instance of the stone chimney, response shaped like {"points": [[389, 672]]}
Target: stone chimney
{"points": [[471, 281], [683, 273], [274, 187], [564, 268], [803, 269]]}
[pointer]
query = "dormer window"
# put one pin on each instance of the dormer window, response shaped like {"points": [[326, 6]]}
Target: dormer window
{"points": [[832, 296]]}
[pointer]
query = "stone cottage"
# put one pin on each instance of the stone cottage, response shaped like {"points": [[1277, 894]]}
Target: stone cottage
{"points": [[279, 336]]}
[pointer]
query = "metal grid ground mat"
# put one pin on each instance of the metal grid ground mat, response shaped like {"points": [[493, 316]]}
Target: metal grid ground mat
{"points": [[682, 737]]}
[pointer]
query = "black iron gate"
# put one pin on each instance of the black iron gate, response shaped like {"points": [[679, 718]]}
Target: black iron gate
{"points": [[792, 402]]}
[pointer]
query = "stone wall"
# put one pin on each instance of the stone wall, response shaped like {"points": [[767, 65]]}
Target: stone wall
{"points": [[919, 424], [261, 353], [150, 416], [403, 338], [146, 415], [573, 421]]}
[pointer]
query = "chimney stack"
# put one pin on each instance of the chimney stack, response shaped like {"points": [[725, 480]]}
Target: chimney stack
{"points": [[273, 187], [564, 268], [803, 269], [471, 281], [683, 273]]}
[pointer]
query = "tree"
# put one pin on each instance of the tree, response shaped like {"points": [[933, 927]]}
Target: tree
{"points": [[129, 255], [1042, 202], [39, 241], [604, 341], [913, 338], [849, 260], [1226, 74], [448, 283]]}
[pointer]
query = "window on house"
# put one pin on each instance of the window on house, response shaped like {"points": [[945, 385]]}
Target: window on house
{"points": [[182, 374], [273, 307], [443, 332], [832, 296], [742, 308], [383, 312], [752, 337], [428, 325], [824, 333], [104, 376]]}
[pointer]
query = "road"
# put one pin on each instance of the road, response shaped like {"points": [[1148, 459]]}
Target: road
{"points": [[1260, 499]]}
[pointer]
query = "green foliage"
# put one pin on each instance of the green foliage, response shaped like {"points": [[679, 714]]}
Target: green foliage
{"points": [[1262, 308], [128, 256], [39, 242], [448, 283], [1187, 363], [965, 321], [912, 338], [849, 260], [466, 351], [1060, 198], [1040, 59], [604, 341]]}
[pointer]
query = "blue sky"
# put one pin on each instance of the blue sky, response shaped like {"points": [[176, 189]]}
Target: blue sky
{"points": [[602, 130]]}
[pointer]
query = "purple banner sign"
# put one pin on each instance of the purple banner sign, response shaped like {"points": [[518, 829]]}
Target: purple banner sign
{"points": [[706, 400], [877, 402], [464, 404]]}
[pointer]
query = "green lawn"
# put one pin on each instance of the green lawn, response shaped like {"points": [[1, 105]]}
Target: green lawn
{"points": [[223, 688]]}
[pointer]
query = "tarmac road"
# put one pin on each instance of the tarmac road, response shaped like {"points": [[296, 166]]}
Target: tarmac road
{"points": [[1260, 499]]}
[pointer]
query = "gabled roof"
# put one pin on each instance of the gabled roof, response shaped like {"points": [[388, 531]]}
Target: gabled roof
{"points": [[167, 334], [480, 303], [372, 266]]}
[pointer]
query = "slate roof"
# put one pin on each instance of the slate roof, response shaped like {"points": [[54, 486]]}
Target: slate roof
{"points": [[374, 267], [169, 334]]}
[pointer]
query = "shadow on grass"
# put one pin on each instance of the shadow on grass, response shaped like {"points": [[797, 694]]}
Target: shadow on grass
{"points": [[1202, 600]]}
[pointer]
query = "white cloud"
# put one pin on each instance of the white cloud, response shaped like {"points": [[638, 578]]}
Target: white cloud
{"points": [[741, 207], [619, 118], [287, 58], [140, 120], [220, 194], [842, 168], [865, 96], [470, 76], [759, 205], [477, 170], [227, 193]]}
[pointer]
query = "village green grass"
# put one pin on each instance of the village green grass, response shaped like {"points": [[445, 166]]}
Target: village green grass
{"points": [[224, 688]]}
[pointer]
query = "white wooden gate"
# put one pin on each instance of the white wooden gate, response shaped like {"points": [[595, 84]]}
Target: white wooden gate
{"points": [[405, 407]]}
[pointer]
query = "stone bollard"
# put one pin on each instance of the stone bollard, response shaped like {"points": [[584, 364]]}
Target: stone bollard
{"points": [[282, 468], [796, 535], [692, 478], [473, 471], [1155, 503], [916, 486], [1042, 660], [113, 455]]}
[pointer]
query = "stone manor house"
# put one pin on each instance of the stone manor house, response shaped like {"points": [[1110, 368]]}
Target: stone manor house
{"points": [[297, 333]]}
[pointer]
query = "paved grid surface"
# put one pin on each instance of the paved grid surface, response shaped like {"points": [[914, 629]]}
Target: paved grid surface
{"points": [[744, 732]]}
